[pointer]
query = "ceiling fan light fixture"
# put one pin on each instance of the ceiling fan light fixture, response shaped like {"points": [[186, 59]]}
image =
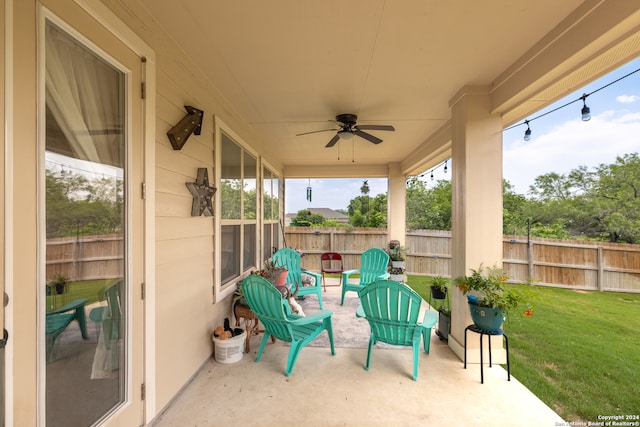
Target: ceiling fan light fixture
{"points": [[345, 134]]}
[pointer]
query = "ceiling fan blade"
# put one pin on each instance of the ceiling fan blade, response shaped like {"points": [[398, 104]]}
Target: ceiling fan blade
{"points": [[333, 141], [368, 137], [375, 127], [317, 131]]}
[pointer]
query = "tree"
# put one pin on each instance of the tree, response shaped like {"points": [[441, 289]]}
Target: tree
{"points": [[600, 203], [364, 211], [76, 205], [617, 198], [305, 218], [428, 209]]}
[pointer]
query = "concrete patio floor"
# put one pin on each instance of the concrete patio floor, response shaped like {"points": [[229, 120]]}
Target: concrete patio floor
{"points": [[326, 390]]}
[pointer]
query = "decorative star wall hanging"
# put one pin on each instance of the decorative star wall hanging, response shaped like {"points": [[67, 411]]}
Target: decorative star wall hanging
{"points": [[202, 193]]}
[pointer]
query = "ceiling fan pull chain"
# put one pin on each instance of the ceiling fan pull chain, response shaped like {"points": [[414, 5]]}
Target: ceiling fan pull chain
{"points": [[353, 152]]}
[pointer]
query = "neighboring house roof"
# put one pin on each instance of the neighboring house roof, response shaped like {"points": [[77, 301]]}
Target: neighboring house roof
{"points": [[325, 212]]}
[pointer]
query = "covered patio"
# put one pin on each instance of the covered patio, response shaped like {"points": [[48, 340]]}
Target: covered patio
{"points": [[271, 80], [326, 390]]}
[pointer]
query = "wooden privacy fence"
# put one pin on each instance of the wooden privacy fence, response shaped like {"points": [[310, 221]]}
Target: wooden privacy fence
{"points": [[560, 263], [86, 257]]}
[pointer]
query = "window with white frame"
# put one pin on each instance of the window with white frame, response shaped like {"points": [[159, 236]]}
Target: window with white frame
{"points": [[238, 209], [271, 212]]}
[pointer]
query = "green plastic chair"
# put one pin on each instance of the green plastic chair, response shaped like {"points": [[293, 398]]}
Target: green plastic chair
{"points": [[290, 259], [110, 315], [273, 312], [373, 266], [58, 320], [392, 310]]}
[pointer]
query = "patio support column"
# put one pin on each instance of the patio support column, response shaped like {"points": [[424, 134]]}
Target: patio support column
{"points": [[476, 217], [396, 204]]}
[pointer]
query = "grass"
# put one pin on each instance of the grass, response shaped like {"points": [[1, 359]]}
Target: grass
{"points": [[93, 290], [579, 353]]}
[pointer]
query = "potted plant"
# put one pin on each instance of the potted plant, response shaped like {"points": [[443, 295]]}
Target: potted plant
{"points": [[439, 287], [439, 292], [397, 253], [490, 301], [273, 273], [444, 321], [396, 273], [58, 282]]}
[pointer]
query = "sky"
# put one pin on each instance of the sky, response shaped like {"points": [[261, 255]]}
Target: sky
{"points": [[560, 142]]}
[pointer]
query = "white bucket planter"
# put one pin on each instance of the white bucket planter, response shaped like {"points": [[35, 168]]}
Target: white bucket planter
{"points": [[397, 264], [231, 349]]}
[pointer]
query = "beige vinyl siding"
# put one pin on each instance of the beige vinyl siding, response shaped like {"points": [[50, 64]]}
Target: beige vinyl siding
{"points": [[184, 310], [185, 313]]}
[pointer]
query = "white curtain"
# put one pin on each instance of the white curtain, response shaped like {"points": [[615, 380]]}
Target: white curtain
{"points": [[85, 97]]}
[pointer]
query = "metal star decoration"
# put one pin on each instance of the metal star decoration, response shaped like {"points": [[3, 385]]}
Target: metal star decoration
{"points": [[202, 193]]}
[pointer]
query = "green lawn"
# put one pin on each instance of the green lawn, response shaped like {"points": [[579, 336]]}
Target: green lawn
{"points": [[93, 290], [579, 353]]}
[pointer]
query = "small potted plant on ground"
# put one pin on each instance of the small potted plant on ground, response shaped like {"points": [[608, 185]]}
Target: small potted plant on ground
{"points": [[490, 301]]}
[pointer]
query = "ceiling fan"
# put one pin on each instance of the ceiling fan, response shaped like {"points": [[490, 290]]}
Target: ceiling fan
{"points": [[348, 128]]}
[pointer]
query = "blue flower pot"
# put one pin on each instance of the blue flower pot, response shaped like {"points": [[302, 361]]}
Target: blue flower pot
{"points": [[485, 318]]}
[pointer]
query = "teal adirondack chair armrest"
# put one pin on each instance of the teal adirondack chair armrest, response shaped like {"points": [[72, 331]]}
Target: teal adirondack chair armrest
{"points": [[346, 286], [347, 273], [430, 318], [314, 317], [428, 322], [316, 276]]}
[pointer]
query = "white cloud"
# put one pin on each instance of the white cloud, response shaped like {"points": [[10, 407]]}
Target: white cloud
{"points": [[627, 99], [569, 145]]}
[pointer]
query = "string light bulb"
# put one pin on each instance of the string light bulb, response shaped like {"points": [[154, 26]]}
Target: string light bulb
{"points": [[431, 175], [586, 111], [445, 166], [527, 133]]}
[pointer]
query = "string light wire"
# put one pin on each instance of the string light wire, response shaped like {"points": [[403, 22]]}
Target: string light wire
{"points": [[581, 98], [431, 171]]}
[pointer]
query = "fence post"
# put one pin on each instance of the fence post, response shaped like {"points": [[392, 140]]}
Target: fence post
{"points": [[530, 259], [600, 277], [332, 235]]}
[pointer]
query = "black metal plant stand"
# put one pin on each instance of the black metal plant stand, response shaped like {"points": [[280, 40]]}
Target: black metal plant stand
{"points": [[482, 332]]}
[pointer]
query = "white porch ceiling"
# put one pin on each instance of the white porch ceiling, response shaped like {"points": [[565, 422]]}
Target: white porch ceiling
{"points": [[290, 66]]}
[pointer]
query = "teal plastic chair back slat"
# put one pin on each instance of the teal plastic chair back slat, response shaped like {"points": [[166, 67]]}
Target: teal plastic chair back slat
{"points": [[110, 315], [290, 259], [392, 310], [373, 266], [274, 313]]}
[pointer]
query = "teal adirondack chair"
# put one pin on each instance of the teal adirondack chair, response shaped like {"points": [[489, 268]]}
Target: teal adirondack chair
{"points": [[392, 310], [290, 259], [274, 313], [110, 315], [373, 266]]}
